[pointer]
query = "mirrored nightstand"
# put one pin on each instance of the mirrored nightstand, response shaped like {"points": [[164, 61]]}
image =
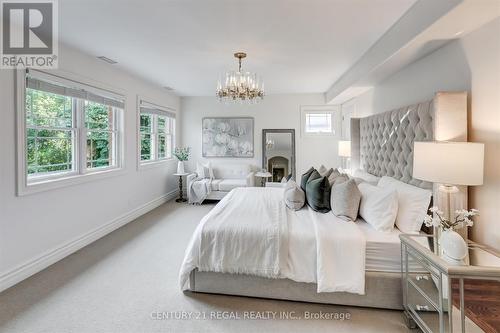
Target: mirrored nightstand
{"points": [[428, 280]]}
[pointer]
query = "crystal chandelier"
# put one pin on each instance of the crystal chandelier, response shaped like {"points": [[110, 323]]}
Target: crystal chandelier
{"points": [[240, 86]]}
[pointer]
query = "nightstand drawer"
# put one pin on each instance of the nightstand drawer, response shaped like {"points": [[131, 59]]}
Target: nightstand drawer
{"points": [[422, 309], [424, 284]]}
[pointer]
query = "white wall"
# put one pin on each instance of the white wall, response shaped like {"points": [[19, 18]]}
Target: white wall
{"points": [[38, 225], [471, 63], [275, 111]]}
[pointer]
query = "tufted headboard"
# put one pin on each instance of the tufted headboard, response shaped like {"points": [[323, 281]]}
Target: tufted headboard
{"points": [[382, 144]]}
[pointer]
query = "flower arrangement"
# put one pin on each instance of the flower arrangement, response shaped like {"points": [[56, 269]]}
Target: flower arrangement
{"points": [[182, 153], [463, 218]]}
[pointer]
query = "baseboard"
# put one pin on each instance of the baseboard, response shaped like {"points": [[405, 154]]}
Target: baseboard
{"points": [[50, 257]]}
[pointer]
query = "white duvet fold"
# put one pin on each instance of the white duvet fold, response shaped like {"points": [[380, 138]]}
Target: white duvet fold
{"points": [[340, 254]]}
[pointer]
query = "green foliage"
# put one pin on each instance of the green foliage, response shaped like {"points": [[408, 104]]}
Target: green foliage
{"points": [[48, 149], [50, 138], [182, 154], [146, 123]]}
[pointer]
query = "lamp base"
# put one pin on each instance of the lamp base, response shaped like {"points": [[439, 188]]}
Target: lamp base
{"points": [[448, 188]]}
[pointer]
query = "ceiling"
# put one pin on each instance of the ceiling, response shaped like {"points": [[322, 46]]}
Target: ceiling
{"points": [[298, 46]]}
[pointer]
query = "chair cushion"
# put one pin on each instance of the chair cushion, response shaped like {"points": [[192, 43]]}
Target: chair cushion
{"points": [[231, 171], [227, 185], [215, 184]]}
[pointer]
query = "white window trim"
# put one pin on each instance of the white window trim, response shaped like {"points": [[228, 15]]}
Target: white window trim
{"points": [[70, 178], [331, 109], [145, 165]]}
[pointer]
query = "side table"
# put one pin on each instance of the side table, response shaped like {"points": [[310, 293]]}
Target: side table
{"points": [[181, 192]]}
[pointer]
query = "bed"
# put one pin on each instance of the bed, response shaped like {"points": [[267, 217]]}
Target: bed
{"points": [[383, 146]]}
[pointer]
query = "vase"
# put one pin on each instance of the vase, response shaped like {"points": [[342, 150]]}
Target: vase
{"points": [[180, 167], [453, 245]]}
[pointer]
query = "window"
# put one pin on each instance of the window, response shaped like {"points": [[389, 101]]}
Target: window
{"points": [[318, 120], [156, 132], [318, 123], [66, 129]]}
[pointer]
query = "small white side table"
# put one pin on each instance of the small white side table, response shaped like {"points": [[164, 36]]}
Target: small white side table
{"points": [[263, 176], [181, 197]]}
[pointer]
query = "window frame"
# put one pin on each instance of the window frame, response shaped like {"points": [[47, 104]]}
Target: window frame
{"points": [[332, 110], [80, 173], [171, 115]]}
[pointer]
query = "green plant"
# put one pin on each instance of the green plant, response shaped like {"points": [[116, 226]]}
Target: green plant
{"points": [[182, 153]]}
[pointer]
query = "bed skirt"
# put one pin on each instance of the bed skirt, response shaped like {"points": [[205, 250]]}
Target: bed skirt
{"points": [[382, 289]]}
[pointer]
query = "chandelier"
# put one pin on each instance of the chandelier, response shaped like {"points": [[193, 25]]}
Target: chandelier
{"points": [[240, 86]]}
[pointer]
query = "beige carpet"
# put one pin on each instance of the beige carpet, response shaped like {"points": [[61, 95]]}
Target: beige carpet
{"points": [[120, 282]]}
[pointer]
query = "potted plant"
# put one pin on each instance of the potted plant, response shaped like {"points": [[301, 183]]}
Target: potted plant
{"points": [[453, 245], [182, 154]]}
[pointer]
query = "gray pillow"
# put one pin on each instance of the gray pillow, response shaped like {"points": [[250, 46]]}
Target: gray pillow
{"points": [[318, 193], [324, 172], [334, 175], [305, 177], [295, 198], [344, 200]]}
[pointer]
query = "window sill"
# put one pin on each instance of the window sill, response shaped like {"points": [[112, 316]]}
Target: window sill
{"points": [[70, 180], [154, 164]]}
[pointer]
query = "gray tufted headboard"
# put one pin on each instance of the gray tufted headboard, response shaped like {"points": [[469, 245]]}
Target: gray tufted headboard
{"points": [[382, 144]]}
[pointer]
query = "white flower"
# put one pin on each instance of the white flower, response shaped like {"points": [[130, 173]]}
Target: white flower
{"points": [[428, 221], [434, 209], [469, 223]]}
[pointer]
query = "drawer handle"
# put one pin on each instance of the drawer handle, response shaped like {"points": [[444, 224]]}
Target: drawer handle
{"points": [[422, 277], [422, 307]]}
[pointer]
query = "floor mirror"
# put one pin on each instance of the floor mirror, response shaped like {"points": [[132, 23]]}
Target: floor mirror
{"points": [[278, 154]]}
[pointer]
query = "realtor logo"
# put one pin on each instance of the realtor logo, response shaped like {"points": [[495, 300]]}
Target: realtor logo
{"points": [[29, 34]]}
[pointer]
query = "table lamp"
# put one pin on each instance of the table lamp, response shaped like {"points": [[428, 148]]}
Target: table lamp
{"points": [[449, 164], [344, 153]]}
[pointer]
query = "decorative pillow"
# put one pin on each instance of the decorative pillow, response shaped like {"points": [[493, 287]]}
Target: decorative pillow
{"points": [[305, 177], [337, 177], [324, 172], [345, 199], [295, 198], [367, 177], [204, 170], [379, 206], [318, 193], [413, 203]]}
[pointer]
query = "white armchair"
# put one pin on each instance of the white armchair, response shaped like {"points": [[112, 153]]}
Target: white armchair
{"points": [[227, 177]]}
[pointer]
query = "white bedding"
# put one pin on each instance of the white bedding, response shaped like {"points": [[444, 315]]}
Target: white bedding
{"points": [[249, 232]]}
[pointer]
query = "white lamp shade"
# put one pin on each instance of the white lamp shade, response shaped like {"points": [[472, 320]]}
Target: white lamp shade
{"points": [[345, 148], [451, 163]]}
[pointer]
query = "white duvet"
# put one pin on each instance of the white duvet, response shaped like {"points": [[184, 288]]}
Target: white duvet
{"points": [[247, 232]]}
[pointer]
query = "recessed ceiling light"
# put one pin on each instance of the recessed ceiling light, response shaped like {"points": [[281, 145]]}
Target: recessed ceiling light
{"points": [[106, 59], [168, 88]]}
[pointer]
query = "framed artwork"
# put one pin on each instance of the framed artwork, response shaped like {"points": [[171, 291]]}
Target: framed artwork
{"points": [[227, 137]]}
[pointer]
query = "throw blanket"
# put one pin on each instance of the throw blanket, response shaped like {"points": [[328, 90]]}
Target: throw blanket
{"points": [[247, 233], [199, 189]]}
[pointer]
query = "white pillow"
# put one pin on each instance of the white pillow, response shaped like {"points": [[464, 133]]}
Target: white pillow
{"points": [[413, 203], [205, 170], [378, 206], [367, 177]]}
